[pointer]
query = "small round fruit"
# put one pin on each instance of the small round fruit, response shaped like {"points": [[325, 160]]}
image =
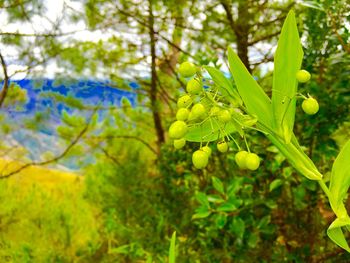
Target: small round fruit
{"points": [[180, 143], [177, 130], [182, 114], [198, 111], [184, 101], [193, 86], [187, 69], [214, 111], [303, 76], [207, 149], [240, 159], [200, 159], [252, 161], [222, 147], [224, 116], [310, 106]]}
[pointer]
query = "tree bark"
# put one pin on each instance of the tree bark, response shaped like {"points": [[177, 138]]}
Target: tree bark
{"points": [[153, 90], [240, 28]]}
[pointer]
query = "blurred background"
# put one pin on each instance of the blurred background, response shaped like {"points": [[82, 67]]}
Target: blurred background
{"points": [[87, 172]]}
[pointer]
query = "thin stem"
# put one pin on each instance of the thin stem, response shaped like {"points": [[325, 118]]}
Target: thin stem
{"points": [[324, 188]]}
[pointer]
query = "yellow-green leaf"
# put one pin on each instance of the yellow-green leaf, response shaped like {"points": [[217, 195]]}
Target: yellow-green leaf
{"points": [[287, 62], [335, 233], [224, 85], [340, 180], [255, 99]]}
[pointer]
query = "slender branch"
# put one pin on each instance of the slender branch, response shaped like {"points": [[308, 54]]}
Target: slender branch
{"points": [[109, 156], [111, 137], [262, 38], [5, 87]]}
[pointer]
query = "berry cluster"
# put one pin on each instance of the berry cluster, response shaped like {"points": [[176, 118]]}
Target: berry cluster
{"points": [[206, 109], [310, 105]]}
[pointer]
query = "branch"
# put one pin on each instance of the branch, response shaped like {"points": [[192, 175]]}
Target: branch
{"points": [[265, 37], [5, 87], [111, 137], [109, 156]]}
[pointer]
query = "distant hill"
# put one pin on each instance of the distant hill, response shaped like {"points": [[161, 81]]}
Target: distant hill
{"points": [[41, 98]]}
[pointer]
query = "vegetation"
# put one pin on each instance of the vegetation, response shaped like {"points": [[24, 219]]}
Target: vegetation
{"points": [[219, 160]]}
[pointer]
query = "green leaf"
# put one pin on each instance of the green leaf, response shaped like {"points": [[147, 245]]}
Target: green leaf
{"points": [[215, 199], [124, 249], [287, 62], [238, 227], [172, 248], [220, 220], [202, 199], [224, 85], [312, 4], [340, 180], [253, 240], [335, 233], [226, 207], [254, 97], [201, 212], [275, 184], [218, 185]]}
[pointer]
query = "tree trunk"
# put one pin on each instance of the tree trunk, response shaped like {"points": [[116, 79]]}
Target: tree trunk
{"points": [[153, 90], [240, 28]]}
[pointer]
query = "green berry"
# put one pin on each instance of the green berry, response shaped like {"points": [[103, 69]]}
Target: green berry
{"points": [[182, 114], [200, 159], [198, 111], [214, 111], [240, 159], [180, 143], [252, 161], [310, 106], [224, 116], [178, 130], [193, 86], [184, 101], [222, 146], [303, 76], [187, 69], [207, 149]]}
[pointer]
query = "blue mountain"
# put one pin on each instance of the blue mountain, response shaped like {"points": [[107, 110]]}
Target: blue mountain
{"points": [[41, 98]]}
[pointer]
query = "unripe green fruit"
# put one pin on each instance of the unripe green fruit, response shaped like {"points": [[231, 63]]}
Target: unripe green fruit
{"points": [[198, 111], [182, 114], [193, 86], [303, 76], [184, 101], [214, 111], [200, 159], [222, 147], [310, 106], [187, 69], [180, 143], [240, 159], [206, 149], [252, 161], [224, 116], [178, 130]]}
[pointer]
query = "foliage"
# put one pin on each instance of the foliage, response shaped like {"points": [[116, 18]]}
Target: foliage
{"points": [[45, 221], [139, 190]]}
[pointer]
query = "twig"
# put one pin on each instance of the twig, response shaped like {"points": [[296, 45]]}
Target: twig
{"points": [[5, 87]]}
